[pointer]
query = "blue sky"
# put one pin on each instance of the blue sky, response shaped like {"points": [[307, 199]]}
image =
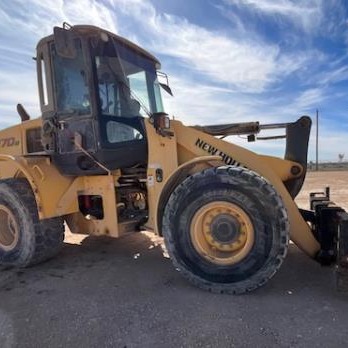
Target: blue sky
{"points": [[228, 60]]}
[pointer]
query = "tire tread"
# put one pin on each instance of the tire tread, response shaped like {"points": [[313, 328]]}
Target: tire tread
{"points": [[48, 234], [240, 175]]}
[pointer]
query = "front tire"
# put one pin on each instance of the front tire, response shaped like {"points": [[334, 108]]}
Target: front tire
{"points": [[24, 239], [226, 230]]}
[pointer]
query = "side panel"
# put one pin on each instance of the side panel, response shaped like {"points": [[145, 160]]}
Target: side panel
{"points": [[11, 142], [57, 195], [100, 185], [162, 160]]}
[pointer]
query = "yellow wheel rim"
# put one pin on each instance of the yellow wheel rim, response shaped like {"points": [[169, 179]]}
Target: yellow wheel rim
{"points": [[9, 232], [222, 233]]}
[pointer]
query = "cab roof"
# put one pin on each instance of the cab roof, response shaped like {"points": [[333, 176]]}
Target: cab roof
{"points": [[91, 30]]}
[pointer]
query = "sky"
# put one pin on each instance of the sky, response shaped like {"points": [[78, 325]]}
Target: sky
{"points": [[227, 60]]}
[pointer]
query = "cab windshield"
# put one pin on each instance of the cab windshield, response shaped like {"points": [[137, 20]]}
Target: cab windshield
{"points": [[127, 81]]}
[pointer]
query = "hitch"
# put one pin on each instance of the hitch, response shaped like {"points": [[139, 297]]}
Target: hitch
{"points": [[342, 253], [319, 198], [329, 224], [323, 219]]}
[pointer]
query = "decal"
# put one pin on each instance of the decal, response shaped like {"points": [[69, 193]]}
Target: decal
{"points": [[216, 152], [8, 142]]}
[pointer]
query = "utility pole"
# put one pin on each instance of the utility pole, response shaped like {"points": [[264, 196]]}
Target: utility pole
{"points": [[317, 144]]}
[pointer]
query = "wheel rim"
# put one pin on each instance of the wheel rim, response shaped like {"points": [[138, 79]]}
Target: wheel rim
{"points": [[9, 232], [222, 233]]}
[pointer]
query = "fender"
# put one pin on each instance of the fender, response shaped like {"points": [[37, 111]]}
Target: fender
{"points": [[13, 168], [43, 178], [180, 174]]}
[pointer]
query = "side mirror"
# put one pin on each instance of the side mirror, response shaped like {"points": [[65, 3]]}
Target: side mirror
{"points": [[64, 43], [166, 88]]}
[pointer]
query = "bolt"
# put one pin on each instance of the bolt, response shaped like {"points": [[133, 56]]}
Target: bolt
{"points": [[295, 170]]}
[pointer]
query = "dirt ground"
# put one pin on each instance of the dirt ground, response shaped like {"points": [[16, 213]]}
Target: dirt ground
{"points": [[125, 293], [317, 181]]}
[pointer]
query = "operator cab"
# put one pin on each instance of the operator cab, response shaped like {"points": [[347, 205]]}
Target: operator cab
{"points": [[95, 89]]}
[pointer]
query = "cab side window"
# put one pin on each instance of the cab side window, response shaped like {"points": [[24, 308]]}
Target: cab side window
{"points": [[71, 84]]}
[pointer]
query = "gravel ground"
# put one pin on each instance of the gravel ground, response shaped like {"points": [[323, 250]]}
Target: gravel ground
{"points": [[125, 293]]}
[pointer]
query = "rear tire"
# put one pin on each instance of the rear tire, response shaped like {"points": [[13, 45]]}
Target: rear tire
{"points": [[226, 230], [24, 239]]}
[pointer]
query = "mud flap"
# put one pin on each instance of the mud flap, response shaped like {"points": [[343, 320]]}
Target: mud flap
{"points": [[342, 253]]}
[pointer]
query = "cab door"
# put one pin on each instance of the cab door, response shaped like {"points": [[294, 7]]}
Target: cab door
{"points": [[74, 107]]}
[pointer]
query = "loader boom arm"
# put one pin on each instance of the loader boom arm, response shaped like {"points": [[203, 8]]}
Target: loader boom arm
{"points": [[286, 175]]}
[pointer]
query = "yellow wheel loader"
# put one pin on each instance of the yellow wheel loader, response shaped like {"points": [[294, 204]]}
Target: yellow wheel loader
{"points": [[105, 158]]}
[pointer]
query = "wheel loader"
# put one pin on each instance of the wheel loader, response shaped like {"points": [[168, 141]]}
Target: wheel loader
{"points": [[105, 159]]}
